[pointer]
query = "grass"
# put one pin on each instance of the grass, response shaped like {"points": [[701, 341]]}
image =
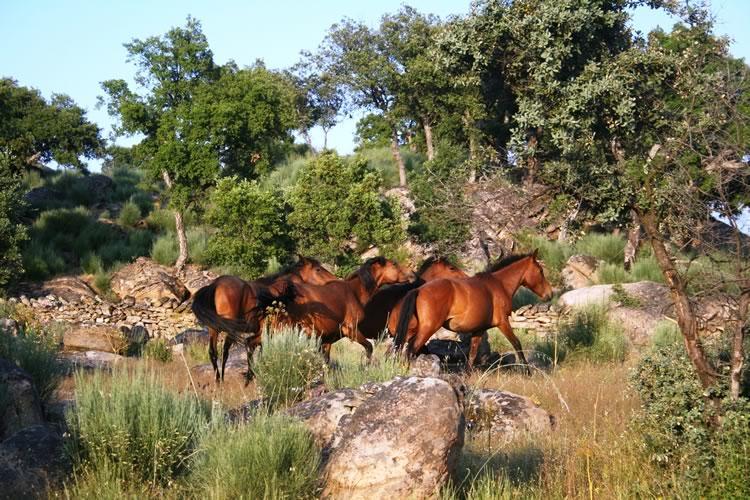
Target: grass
{"points": [[273, 457], [288, 364], [607, 247], [35, 352], [591, 336], [352, 369], [130, 214], [381, 159], [165, 249], [157, 350], [666, 334]]}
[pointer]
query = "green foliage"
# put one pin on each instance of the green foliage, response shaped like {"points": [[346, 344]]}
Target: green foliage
{"points": [[524, 297], [251, 226], [286, 173], [130, 214], [336, 205], [646, 268], [373, 132], [165, 251], [666, 334], [553, 254], [622, 297], [273, 457], [12, 232], [161, 220], [607, 247], [352, 368], [198, 238], [35, 352], [590, 335], [381, 160], [131, 424], [158, 350], [288, 364]]}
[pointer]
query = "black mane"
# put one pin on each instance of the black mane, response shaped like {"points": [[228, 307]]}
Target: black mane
{"points": [[365, 272], [505, 262], [433, 260]]}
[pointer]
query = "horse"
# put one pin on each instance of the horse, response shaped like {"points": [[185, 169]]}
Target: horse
{"points": [[385, 301], [334, 309], [469, 305], [235, 306]]}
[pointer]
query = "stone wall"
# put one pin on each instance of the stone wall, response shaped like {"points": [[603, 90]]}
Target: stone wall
{"points": [[540, 318]]}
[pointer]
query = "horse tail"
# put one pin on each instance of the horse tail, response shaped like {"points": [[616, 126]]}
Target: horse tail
{"points": [[204, 308], [408, 309]]}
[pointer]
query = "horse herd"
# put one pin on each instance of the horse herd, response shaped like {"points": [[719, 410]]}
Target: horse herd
{"points": [[380, 296]]}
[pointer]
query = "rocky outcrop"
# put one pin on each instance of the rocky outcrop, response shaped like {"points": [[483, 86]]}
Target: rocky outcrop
{"points": [[144, 279], [19, 401], [322, 415], [402, 442], [91, 360], [579, 271], [645, 293], [540, 318], [67, 288], [31, 461], [194, 278], [499, 416], [105, 338]]}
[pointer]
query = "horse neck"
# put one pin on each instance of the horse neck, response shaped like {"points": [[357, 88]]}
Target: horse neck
{"points": [[362, 294], [510, 276]]}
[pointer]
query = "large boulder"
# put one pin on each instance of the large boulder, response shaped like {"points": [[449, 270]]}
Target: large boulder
{"points": [[500, 416], [194, 278], [91, 360], [19, 401], [103, 338], [144, 280], [322, 414], [31, 462], [402, 442], [69, 288], [579, 271]]}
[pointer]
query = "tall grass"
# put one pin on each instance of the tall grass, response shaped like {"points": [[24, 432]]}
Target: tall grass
{"points": [[35, 352], [288, 364], [381, 159], [131, 423], [273, 457], [165, 249], [592, 336], [130, 214], [607, 247], [352, 369]]}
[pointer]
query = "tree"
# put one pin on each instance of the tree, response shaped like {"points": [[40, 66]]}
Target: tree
{"points": [[337, 211], [34, 131], [199, 120], [252, 227], [12, 231], [320, 99]]}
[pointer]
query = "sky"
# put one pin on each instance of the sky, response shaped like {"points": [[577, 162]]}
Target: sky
{"points": [[71, 46]]}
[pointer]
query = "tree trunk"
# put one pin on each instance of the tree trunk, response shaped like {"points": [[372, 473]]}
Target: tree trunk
{"points": [[308, 141], [179, 228], [738, 349], [562, 236], [634, 241], [683, 308], [428, 139], [533, 162], [398, 158], [325, 138]]}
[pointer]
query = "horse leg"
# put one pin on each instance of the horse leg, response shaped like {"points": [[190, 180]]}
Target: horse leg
{"points": [[353, 333], [508, 332], [476, 339], [425, 330], [325, 350], [213, 336], [228, 341], [250, 345]]}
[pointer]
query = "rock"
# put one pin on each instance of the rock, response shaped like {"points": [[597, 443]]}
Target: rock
{"points": [[579, 271], [194, 278], [103, 338], [91, 360], [136, 337], [191, 336], [31, 461], [245, 412], [9, 327], [21, 406], [402, 442], [457, 351], [445, 334], [145, 280], [502, 416], [70, 288], [426, 365], [322, 414], [99, 185]]}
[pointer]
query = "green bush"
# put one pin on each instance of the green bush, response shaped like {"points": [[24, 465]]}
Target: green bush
{"points": [[553, 254], [130, 214], [607, 247], [161, 220], [353, 370], [647, 269], [157, 350], [91, 263], [337, 203], [144, 202], [132, 423], [524, 297], [198, 238], [612, 274], [381, 160], [36, 353], [288, 363], [666, 334], [251, 226], [165, 249], [273, 457], [12, 231], [590, 335]]}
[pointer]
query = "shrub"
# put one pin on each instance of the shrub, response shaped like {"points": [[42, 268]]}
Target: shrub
{"points": [[524, 297], [251, 226], [91, 263], [198, 238], [353, 370], [158, 350], [666, 334], [274, 457], [130, 214], [612, 274], [647, 269], [161, 220], [553, 254], [165, 250], [132, 423], [35, 353], [288, 363], [590, 335], [607, 247], [144, 202], [12, 231]]}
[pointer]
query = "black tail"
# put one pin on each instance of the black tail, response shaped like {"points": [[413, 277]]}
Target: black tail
{"points": [[408, 308], [204, 308]]}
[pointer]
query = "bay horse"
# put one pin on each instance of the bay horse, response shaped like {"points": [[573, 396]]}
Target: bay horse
{"points": [[236, 307], [385, 301], [469, 305], [335, 309]]}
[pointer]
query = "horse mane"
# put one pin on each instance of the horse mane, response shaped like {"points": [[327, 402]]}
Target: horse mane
{"points": [[504, 262], [365, 272], [433, 260], [288, 269]]}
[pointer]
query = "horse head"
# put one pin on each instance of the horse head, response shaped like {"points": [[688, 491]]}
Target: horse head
{"points": [[534, 280], [439, 267], [311, 271], [379, 271]]}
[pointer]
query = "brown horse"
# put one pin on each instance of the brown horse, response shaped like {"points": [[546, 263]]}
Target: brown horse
{"points": [[334, 310], [385, 301], [235, 306], [469, 305]]}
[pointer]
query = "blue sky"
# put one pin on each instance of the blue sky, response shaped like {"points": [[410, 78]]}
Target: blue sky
{"points": [[71, 46]]}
